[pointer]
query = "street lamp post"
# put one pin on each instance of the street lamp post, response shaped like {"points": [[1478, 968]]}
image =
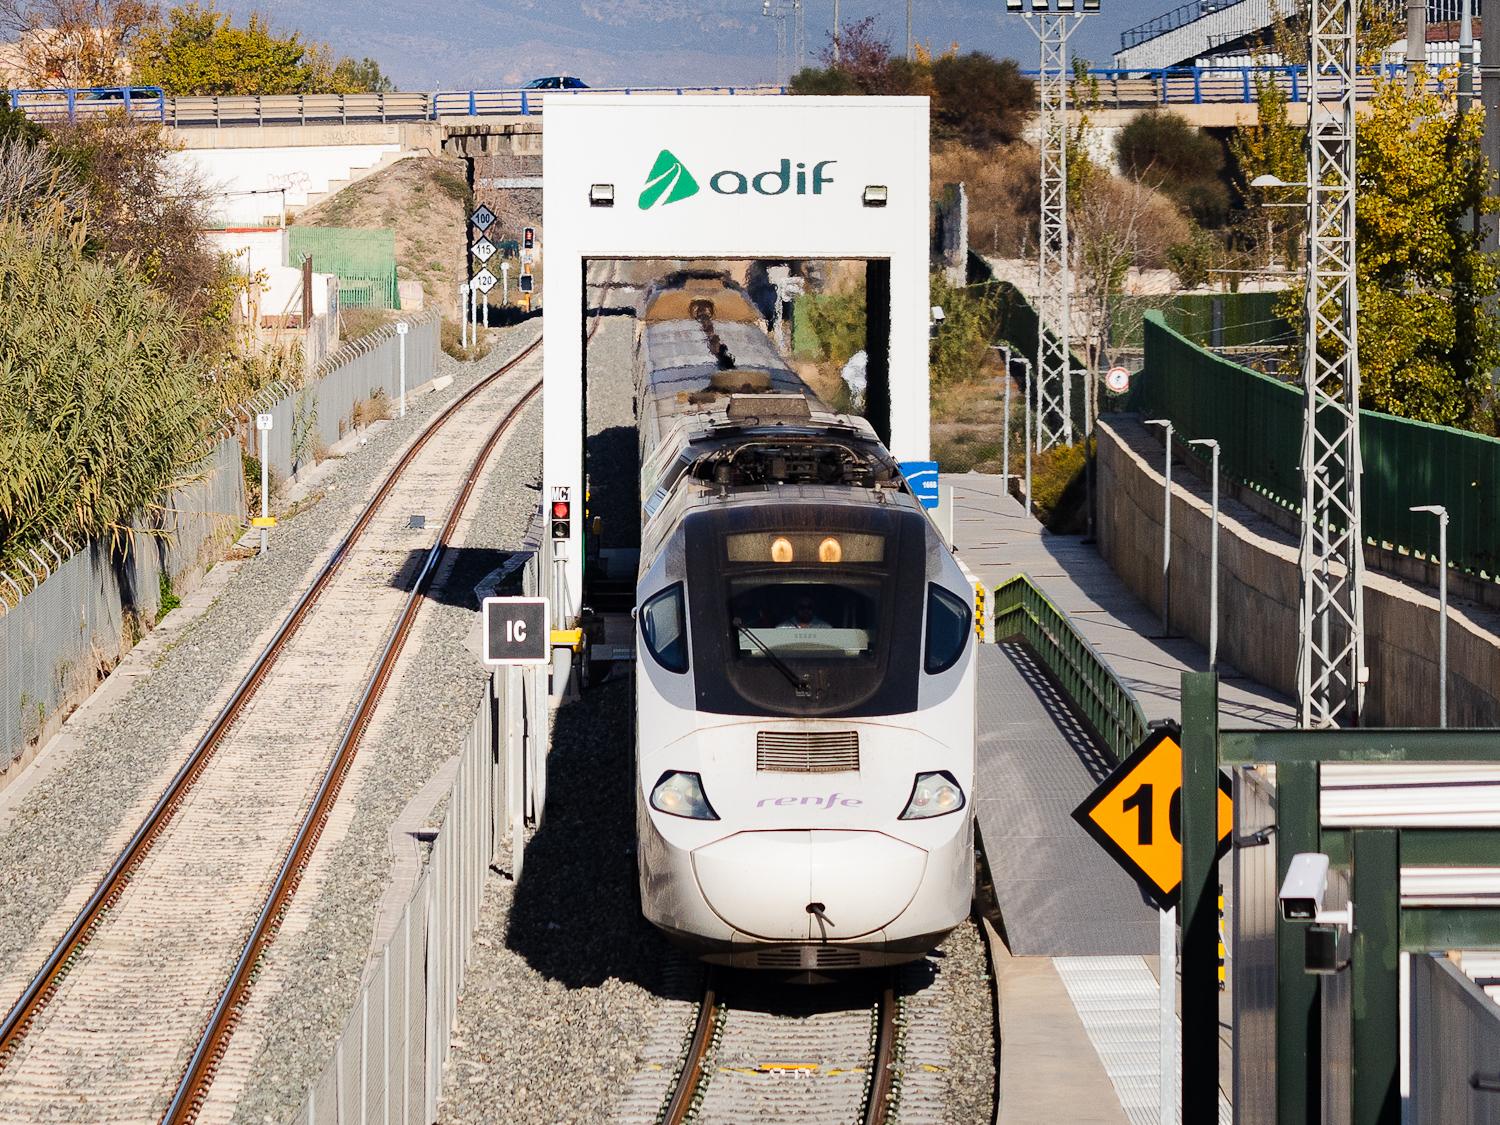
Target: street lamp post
{"points": [[1213, 557], [1004, 350], [1442, 517], [1166, 532]]}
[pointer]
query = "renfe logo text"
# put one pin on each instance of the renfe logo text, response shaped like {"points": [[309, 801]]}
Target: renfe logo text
{"points": [[816, 802]]}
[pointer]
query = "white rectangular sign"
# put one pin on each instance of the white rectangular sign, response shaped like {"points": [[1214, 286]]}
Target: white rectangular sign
{"points": [[263, 421]]}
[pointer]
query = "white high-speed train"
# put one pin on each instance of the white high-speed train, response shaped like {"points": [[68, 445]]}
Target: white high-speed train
{"points": [[805, 668]]}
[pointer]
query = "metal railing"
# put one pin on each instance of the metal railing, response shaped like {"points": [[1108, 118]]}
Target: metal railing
{"points": [[1438, 11], [1170, 21], [1023, 611], [151, 104], [1219, 85]]}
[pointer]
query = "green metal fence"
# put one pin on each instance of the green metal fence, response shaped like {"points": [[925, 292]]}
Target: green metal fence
{"points": [[1216, 320], [363, 260], [1022, 610], [1258, 423]]}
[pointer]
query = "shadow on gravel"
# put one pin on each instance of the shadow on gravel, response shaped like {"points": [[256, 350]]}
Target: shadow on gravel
{"points": [[615, 485], [575, 917], [459, 571]]}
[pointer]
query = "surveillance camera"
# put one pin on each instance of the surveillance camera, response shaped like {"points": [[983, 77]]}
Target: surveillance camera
{"points": [[1304, 887]]}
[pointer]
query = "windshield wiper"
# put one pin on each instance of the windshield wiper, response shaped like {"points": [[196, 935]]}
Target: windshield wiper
{"points": [[797, 682]]}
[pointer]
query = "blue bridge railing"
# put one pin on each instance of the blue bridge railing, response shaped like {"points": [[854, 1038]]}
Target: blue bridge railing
{"points": [[1190, 85], [1201, 85], [151, 104]]}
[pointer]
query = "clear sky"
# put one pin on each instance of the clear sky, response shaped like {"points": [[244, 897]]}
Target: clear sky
{"points": [[444, 44]]}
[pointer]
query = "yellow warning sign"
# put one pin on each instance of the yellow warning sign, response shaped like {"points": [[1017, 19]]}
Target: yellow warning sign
{"points": [[263, 521], [1136, 815]]}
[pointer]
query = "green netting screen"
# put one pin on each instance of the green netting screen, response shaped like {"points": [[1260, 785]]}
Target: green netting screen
{"points": [[363, 260], [1258, 423]]}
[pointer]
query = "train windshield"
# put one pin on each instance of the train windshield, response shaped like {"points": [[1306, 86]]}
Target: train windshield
{"points": [[800, 607]]}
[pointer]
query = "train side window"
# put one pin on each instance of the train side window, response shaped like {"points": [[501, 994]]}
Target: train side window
{"points": [[664, 629], [948, 621]]}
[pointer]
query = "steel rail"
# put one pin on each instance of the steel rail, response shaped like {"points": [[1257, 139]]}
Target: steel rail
{"points": [[42, 985], [879, 1100], [684, 1094], [879, 1092], [197, 1079]]}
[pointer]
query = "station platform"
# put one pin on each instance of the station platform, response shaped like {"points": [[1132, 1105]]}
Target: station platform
{"points": [[1082, 939]]}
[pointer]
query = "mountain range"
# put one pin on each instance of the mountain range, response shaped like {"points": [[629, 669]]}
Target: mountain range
{"points": [[479, 44]]}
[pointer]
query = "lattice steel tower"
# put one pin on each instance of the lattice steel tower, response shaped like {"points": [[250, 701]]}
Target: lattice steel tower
{"points": [[1054, 304], [1331, 662]]}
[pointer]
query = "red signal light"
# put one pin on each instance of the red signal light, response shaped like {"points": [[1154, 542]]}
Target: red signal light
{"points": [[560, 509]]}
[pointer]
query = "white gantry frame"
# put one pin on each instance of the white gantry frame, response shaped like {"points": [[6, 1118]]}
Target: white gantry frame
{"points": [[739, 178], [1331, 660]]}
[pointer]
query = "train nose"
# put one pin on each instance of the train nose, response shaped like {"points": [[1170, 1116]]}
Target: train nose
{"points": [[799, 886]]}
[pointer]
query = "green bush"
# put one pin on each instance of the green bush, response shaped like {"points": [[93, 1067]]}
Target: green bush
{"points": [[1058, 487], [100, 409], [1167, 152], [959, 344], [830, 326]]}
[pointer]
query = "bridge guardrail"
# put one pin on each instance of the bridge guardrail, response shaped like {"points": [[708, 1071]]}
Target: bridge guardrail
{"points": [[1022, 610], [151, 104], [1117, 89], [1220, 85]]}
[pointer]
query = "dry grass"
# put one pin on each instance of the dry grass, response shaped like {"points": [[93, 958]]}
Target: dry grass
{"points": [[423, 200], [1004, 186], [376, 408]]}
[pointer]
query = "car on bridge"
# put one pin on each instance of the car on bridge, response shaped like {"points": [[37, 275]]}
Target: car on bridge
{"points": [[556, 82]]}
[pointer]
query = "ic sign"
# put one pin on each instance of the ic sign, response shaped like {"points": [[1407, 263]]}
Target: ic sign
{"points": [[515, 631], [1136, 816]]}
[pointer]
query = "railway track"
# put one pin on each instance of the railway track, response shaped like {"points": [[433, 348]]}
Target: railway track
{"points": [[136, 994], [800, 1059]]}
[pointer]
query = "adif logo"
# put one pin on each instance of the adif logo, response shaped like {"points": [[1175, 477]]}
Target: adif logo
{"points": [[668, 182]]}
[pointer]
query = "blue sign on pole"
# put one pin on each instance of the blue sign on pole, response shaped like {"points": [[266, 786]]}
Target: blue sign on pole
{"points": [[923, 478]]}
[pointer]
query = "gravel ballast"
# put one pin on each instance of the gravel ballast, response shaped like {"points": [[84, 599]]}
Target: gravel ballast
{"points": [[309, 981], [65, 829]]}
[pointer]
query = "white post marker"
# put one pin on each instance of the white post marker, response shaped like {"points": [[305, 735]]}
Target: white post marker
{"points": [[402, 328], [1166, 1098], [463, 331], [1213, 557], [505, 283], [1442, 515], [263, 425]]}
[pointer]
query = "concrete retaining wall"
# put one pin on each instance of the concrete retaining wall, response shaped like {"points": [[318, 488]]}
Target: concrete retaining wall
{"points": [[1259, 585]]}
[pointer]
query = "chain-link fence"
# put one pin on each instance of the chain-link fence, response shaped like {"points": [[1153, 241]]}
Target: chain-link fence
{"points": [[363, 260], [70, 613]]}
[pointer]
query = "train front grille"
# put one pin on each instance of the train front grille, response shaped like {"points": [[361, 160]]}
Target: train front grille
{"points": [[807, 751]]}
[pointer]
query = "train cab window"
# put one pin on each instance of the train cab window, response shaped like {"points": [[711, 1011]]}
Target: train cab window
{"points": [[803, 618], [948, 621], [664, 629]]}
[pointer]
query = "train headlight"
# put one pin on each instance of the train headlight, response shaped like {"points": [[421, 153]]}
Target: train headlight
{"points": [[681, 794], [934, 794]]}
